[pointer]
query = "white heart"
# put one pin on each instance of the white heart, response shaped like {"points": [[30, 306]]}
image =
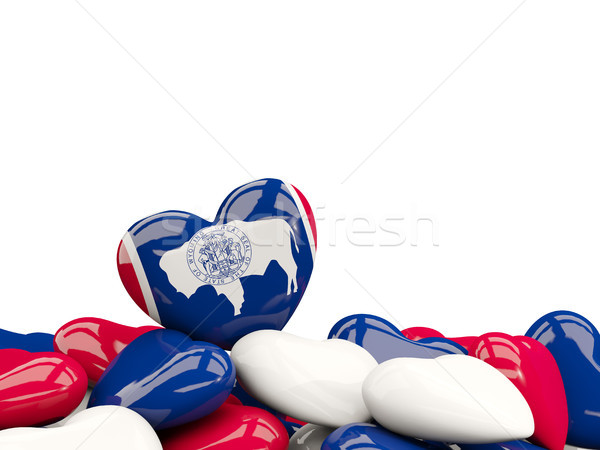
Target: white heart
{"points": [[314, 381], [309, 437], [99, 428], [451, 398]]}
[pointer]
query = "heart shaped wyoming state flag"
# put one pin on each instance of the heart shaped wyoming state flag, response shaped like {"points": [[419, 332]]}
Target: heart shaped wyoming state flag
{"points": [[218, 281]]}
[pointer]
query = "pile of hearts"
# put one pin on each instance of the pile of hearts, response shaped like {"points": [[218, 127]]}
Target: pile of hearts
{"points": [[217, 371]]}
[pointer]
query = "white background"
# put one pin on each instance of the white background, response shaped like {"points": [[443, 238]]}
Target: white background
{"points": [[484, 117]]}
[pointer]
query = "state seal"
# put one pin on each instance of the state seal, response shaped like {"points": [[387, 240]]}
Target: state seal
{"points": [[219, 254]]}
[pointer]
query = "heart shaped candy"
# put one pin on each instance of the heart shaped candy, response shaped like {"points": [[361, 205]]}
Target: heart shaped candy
{"points": [[217, 281], [451, 398], [384, 341], [532, 369], [231, 427], [94, 342], [167, 378], [574, 343], [359, 436], [101, 428], [38, 388], [309, 437], [32, 342], [314, 381]]}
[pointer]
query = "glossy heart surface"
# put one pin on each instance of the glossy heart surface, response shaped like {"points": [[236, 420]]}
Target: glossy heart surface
{"points": [[81, 407], [32, 342], [574, 342], [532, 369], [314, 381], [384, 341], [38, 388], [231, 427], [101, 428], [217, 281], [362, 436], [309, 437], [167, 378], [441, 399], [94, 342]]}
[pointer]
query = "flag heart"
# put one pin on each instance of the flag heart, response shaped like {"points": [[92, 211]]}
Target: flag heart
{"points": [[217, 281], [574, 343], [167, 378], [384, 341], [231, 427], [94, 342], [32, 342], [314, 381], [38, 388], [533, 371], [451, 398], [101, 428], [371, 436]]}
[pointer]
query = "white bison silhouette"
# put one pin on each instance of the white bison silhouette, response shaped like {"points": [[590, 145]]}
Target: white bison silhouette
{"points": [[264, 241]]}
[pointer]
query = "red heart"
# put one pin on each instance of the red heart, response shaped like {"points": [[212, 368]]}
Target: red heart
{"points": [[418, 333], [231, 427], [532, 369], [38, 388], [94, 343]]}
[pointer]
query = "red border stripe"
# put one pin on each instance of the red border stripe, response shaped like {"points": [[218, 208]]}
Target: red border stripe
{"points": [[129, 278], [309, 214]]}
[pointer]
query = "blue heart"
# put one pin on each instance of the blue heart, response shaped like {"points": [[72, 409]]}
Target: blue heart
{"points": [[32, 342], [359, 436], [218, 281], [167, 378], [384, 341], [575, 344]]}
